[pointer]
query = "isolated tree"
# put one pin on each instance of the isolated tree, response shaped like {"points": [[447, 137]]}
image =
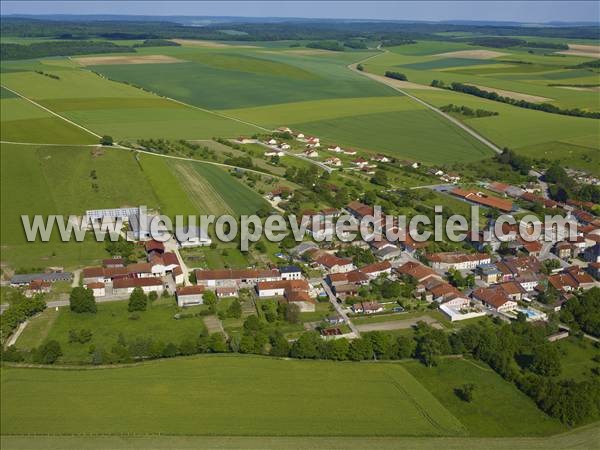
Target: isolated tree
{"points": [[137, 300], [106, 140], [152, 296], [81, 300], [465, 392]]}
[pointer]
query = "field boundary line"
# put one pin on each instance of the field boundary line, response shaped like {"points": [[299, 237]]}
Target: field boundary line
{"points": [[456, 122], [52, 112]]}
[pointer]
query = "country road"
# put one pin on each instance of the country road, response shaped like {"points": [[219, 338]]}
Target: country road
{"points": [[390, 83], [339, 309]]}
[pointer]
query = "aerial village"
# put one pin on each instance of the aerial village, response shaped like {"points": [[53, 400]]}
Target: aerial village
{"points": [[365, 286]]}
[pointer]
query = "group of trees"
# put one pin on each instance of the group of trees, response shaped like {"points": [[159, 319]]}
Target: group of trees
{"points": [[521, 354], [180, 147], [396, 75], [21, 308], [81, 300], [520, 163], [466, 111], [583, 312], [490, 95], [563, 187], [331, 45], [121, 248]]}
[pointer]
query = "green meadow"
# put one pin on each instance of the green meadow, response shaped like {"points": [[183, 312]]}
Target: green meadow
{"points": [[111, 320], [498, 408], [249, 396], [34, 182]]}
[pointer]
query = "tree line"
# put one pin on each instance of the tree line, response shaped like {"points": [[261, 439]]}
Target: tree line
{"points": [[466, 111], [545, 107], [59, 48]]}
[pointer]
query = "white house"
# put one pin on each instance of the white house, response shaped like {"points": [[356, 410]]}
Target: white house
{"points": [[311, 153], [190, 295], [290, 273], [272, 141], [97, 288], [274, 153], [333, 161], [335, 148], [360, 162], [284, 146], [381, 159]]}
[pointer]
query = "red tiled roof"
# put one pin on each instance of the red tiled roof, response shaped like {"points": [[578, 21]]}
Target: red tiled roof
{"points": [[361, 209], [190, 290], [483, 199], [93, 272], [96, 285], [456, 257], [139, 268], [113, 262], [136, 282], [376, 267], [416, 270], [330, 261], [153, 245]]}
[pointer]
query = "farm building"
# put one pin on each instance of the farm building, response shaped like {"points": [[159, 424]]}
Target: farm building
{"points": [[127, 285], [189, 295], [52, 277], [98, 289]]}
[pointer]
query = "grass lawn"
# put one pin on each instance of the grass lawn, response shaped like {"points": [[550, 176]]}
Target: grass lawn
{"points": [[224, 256], [248, 396], [37, 329], [110, 320], [577, 357], [498, 408]]}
